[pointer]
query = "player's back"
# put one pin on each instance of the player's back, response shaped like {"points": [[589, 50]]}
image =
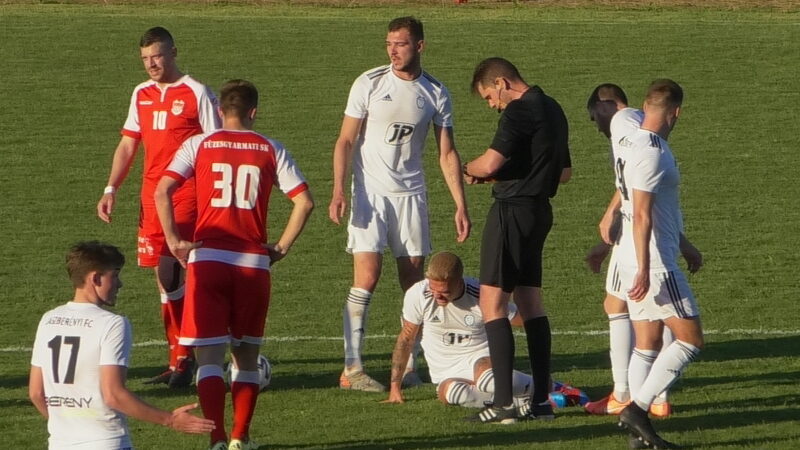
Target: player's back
{"points": [[72, 342], [645, 162]]}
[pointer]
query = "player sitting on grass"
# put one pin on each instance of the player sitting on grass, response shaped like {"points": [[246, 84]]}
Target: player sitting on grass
{"points": [[445, 307], [80, 360]]}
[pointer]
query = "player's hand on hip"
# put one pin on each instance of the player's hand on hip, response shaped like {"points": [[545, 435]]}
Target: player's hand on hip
{"points": [[463, 225], [181, 250], [337, 208], [640, 287], [596, 255], [185, 422], [276, 252], [105, 206]]}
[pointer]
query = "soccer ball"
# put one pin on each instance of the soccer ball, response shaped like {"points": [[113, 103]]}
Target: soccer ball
{"points": [[264, 369]]}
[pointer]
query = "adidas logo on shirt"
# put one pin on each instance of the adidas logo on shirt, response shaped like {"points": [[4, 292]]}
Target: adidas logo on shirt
{"points": [[435, 319], [386, 98]]}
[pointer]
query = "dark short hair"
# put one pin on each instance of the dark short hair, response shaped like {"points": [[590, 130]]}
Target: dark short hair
{"points": [[90, 256], [155, 35], [604, 92], [490, 68], [410, 23], [238, 97], [664, 93]]}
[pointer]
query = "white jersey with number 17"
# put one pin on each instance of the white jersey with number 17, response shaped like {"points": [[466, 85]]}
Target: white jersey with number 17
{"points": [[397, 113], [72, 342]]}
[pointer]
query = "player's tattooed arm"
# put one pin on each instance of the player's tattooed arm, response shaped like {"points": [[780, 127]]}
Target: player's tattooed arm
{"points": [[402, 350]]}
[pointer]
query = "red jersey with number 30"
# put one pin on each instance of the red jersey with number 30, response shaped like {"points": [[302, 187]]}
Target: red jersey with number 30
{"points": [[234, 173], [162, 119]]}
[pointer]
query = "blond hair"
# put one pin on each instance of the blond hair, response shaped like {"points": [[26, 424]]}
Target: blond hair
{"points": [[444, 266]]}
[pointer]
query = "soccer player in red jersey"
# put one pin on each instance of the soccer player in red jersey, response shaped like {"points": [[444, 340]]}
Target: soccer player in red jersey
{"points": [[164, 111], [228, 276]]}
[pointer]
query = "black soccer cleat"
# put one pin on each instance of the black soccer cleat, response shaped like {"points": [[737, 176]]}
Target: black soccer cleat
{"points": [[635, 442], [493, 414], [529, 411], [635, 419], [183, 374]]}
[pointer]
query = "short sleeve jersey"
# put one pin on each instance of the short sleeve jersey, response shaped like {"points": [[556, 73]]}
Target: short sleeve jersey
{"points": [[450, 332], [533, 135], [162, 119], [235, 172], [387, 158], [624, 123], [72, 342], [645, 162]]}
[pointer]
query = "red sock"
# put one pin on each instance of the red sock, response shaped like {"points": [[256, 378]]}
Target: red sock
{"points": [[211, 390], [244, 395], [169, 330], [176, 311]]}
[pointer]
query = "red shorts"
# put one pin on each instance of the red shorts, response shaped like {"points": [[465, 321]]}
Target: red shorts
{"points": [[152, 245], [223, 303]]}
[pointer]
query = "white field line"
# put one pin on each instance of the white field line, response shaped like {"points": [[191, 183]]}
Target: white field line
{"points": [[734, 331]]}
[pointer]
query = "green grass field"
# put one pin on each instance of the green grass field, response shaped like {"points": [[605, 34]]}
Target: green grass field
{"points": [[65, 81]]}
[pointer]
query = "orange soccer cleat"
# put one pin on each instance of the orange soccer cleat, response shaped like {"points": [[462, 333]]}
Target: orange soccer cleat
{"points": [[607, 406]]}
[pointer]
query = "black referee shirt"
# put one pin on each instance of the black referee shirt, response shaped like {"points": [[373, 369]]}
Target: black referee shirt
{"points": [[533, 135]]}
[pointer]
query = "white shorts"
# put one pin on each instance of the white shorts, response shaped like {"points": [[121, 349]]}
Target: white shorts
{"points": [[669, 296], [613, 279], [460, 367], [400, 223]]}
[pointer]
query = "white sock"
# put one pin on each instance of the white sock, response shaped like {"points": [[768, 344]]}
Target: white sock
{"points": [[641, 362], [521, 383], [666, 339], [466, 394], [355, 324], [620, 334], [665, 371]]}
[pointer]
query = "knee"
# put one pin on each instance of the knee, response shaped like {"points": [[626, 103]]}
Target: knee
{"points": [[441, 391], [613, 305]]}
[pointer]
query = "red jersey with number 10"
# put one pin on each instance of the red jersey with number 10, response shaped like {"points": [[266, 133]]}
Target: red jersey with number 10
{"points": [[234, 173], [163, 118]]}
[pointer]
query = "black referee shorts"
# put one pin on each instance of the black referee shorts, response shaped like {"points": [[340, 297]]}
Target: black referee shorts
{"points": [[513, 239]]}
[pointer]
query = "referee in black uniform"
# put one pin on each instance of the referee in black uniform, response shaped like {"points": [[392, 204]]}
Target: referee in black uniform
{"points": [[527, 160]]}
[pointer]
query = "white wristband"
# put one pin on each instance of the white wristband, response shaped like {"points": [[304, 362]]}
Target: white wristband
{"points": [[109, 190]]}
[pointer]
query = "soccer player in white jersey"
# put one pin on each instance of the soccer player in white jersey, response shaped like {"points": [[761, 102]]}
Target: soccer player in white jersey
{"points": [[80, 359], [389, 111], [164, 111], [657, 291], [444, 307], [608, 108], [228, 279]]}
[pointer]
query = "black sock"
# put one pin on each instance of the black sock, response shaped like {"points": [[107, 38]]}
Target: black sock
{"points": [[537, 332], [501, 352]]}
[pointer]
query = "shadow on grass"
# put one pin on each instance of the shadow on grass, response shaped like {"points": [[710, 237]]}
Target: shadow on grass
{"points": [[500, 436]]}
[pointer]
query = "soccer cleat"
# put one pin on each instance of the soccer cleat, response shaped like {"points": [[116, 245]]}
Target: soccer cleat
{"points": [[634, 419], [183, 374], [492, 414], [219, 445], [635, 442], [238, 444], [360, 381], [572, 395], [661, 410], [162, 378], [606, 406], [411, 379]]}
